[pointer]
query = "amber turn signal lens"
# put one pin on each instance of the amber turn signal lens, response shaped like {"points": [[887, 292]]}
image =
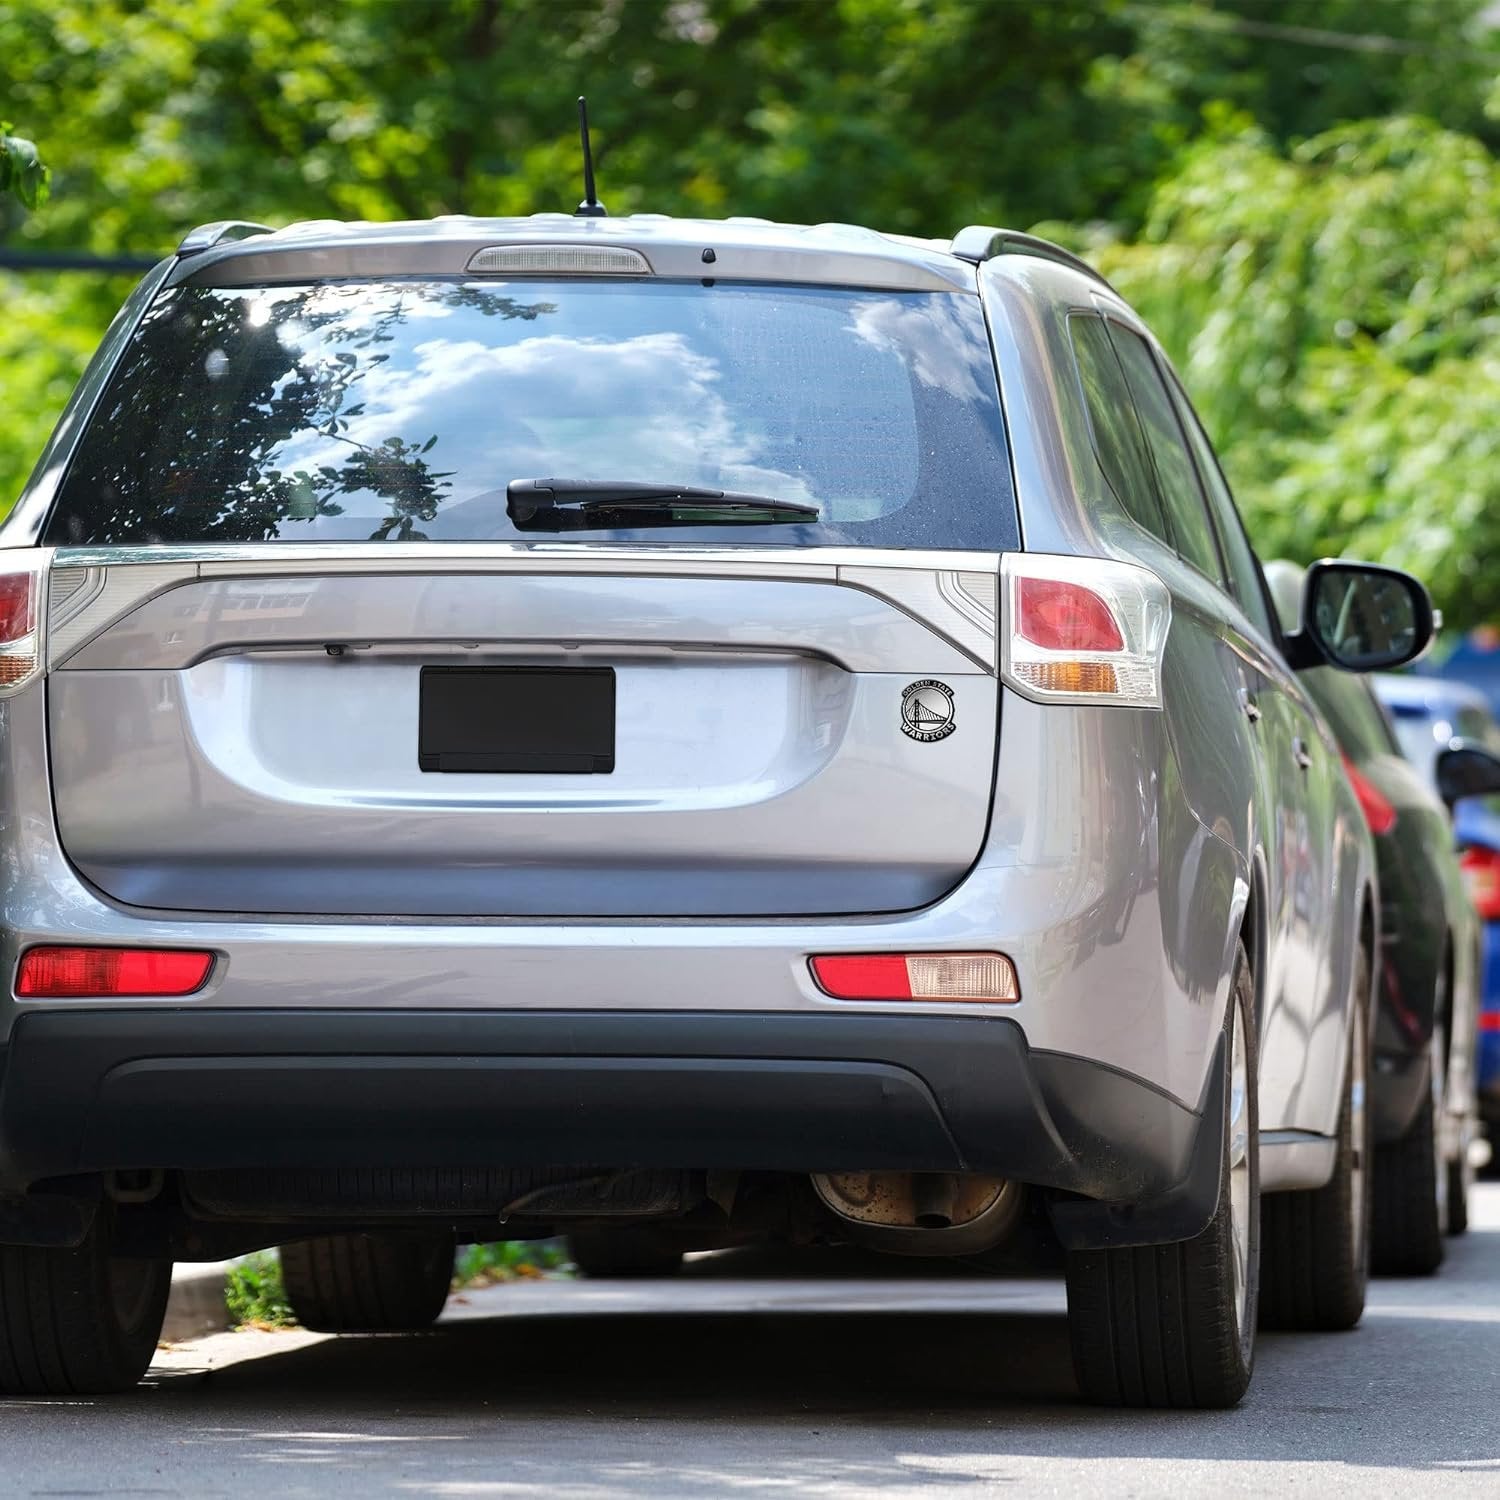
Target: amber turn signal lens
{"points": [[1069, 676]]}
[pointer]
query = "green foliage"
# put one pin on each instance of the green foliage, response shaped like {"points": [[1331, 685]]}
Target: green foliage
{"points": [[1333, 310], [508, 1260], [1324, 282], [254, 1292], [21, 170]]}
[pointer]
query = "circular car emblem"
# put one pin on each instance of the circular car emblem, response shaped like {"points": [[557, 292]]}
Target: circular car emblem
{"points": [[927, 710]]}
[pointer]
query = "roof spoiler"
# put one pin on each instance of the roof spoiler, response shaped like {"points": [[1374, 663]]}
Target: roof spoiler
{"points": [[206, 236], [981, 242]]}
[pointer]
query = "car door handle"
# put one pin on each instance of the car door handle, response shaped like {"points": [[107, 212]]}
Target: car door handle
{"points": [[1251, 707], [1301, 754]]}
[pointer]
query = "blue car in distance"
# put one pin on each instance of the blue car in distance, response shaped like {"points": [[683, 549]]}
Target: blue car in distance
{"points": [[1427, 713]]}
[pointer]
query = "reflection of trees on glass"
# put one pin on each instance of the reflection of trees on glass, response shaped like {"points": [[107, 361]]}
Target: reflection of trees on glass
{"points": [[396, 471], [186, 442]]}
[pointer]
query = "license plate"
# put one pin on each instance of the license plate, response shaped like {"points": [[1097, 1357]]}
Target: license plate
{"points": [[519, 720]]}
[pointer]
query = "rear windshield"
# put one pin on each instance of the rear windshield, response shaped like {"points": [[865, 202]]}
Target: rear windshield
{"points": [[399, 411]]}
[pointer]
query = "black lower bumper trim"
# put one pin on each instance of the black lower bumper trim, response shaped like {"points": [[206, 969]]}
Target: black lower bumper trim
{"points": [[91, 1091]]}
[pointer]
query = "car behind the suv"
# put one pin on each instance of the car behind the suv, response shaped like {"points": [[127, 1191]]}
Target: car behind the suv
{"points": [[671, 732]]}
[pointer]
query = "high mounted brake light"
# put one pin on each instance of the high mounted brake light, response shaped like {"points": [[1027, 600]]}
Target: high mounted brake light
{"points": [[96, 973], [20, 615], [1082, 629], [561, 260]]}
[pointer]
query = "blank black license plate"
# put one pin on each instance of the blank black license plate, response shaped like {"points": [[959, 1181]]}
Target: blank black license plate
{"points": [[518, 719]]}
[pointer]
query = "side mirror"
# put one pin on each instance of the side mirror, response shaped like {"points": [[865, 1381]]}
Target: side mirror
{"points": [[1361, 617], [1464, 769]]}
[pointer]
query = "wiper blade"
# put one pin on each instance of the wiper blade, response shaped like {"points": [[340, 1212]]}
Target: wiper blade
{"points": [[604, 504]]}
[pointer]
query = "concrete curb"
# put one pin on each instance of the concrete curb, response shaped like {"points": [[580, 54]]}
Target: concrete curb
{"points": [[196, 1305]]}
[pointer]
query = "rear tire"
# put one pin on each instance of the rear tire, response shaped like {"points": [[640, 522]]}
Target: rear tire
{"points": [[1174, 1325], [1317, 1243], [1407, 1231], [78, 1322], [367, 1283], [609, 1253]]}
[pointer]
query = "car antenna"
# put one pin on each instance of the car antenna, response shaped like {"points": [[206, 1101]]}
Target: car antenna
{"points": [[591, 207]]}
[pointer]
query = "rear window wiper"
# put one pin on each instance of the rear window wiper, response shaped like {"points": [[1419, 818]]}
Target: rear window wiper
{"points": [[604, 504]]}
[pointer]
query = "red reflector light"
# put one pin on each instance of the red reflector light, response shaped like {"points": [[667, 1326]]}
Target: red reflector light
{"points": [[1379, 813], [1481, 869], [83, 973], [1061, 616], [17, 606], [917, 976], [1489, 1020]]}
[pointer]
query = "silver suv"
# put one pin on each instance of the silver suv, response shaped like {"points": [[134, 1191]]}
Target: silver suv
{"points": [[667, 732]]}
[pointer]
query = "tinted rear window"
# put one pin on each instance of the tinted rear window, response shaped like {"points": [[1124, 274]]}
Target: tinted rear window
{"points": [[395, 411]]}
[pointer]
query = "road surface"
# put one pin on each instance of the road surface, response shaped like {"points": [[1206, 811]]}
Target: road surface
{"points": [[723, 1383]]}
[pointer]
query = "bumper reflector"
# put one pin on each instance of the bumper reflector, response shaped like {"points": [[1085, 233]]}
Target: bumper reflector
{"points": [[917, 976], [87, 973]]}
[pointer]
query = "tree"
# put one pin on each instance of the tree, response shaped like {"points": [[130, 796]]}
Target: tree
{"points": [[1209, 136], [22, 173], [1332, 311]]}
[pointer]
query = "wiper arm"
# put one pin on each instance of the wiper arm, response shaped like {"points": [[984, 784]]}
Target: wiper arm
{"points": [[606, 504]]}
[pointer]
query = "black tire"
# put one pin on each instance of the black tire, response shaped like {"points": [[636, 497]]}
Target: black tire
{"points": [[1460, 1175], [624, 1252], [367, 1283], [78, 1322], [1316, 1264], [1164, 1325], [1406, 1234]]}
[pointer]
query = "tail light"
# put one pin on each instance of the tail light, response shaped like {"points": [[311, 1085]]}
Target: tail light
{"points": [[20, 613], [917, 976], [1083, 630], [92, 973], [1481, 869], [1379, 813]]}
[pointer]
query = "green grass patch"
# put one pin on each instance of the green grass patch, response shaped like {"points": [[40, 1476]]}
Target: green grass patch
{"points": [[509, 1260], [255, 1295]]}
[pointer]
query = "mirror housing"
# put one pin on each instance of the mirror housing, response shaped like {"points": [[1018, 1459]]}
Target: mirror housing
{"points": [[1360, 617], [1466, 769]]}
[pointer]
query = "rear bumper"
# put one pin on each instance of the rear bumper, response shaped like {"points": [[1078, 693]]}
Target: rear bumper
{"points": [[91, 1091]]}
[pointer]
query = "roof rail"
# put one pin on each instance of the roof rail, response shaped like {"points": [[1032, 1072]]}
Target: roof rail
{"points": [[206, 236], [981, 242]]}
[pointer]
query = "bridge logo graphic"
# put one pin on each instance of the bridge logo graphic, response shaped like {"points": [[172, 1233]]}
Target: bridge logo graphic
{"points": [[927, 711]]}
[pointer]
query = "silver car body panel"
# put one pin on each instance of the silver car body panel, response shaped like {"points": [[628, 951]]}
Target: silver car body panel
{"points": [[759, 724], [1114, 858]]}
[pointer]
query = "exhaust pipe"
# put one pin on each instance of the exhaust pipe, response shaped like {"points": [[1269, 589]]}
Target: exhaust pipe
{"points": [[934, 1199], [921, 1213]]}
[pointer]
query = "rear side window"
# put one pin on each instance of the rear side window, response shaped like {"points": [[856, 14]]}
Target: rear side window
{"points": [[1244, 572], [400, 411], [1180, 492], [1119, 443]]}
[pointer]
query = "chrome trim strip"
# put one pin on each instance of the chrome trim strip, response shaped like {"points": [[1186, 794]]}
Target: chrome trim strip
{"points": [[912, 581]]}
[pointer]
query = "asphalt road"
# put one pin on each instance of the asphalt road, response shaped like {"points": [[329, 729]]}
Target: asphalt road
{"points": [[728, 1383]]}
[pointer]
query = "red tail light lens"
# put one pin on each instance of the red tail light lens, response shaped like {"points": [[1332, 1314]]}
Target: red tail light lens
{"points": [[17, 606], [917, 976], [1062, 616], [87, 973], [19, 657], [1481, 869], [1379, 813]]}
